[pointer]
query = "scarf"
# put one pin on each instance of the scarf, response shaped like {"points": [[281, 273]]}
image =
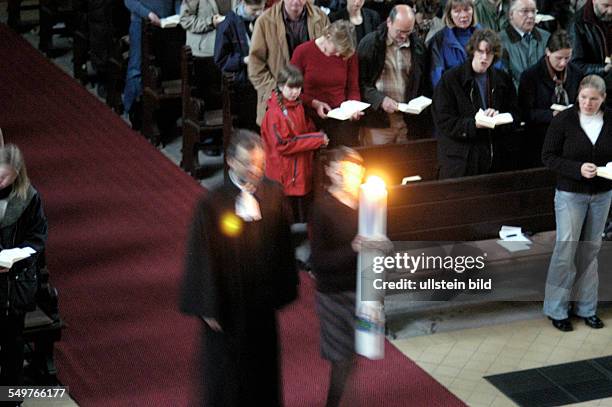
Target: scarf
{"points": [[560, 96]]}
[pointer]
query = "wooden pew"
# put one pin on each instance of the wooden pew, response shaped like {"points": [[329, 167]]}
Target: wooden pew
{"points": [[117, 71], [54, 12], [161, 78], [392, 162], [80, 42], [43, 327], [118, 20], [14, 9], [203, 116], [472, 208]]}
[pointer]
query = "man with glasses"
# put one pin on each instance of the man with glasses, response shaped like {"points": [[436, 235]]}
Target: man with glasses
{"points": [[591, 35], [239, 269], [524, 43], [391, 70]]}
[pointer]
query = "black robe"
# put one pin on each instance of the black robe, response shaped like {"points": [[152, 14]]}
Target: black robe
{"points": [[240, 280]]}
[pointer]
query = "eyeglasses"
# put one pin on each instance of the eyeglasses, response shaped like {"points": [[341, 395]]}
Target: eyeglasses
{"points": [[527, 11]]}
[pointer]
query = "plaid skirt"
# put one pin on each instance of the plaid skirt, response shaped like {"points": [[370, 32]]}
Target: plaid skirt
{"points": [[336, 313]]}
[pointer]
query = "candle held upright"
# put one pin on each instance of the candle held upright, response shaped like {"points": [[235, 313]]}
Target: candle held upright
{"points": [[370, 326]]}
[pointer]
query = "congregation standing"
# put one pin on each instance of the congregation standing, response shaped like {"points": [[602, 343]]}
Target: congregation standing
{"points": [[295, 62]]}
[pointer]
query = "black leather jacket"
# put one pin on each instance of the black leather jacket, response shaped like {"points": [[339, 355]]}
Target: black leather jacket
{"points": [[24, 225], [589, 42]]}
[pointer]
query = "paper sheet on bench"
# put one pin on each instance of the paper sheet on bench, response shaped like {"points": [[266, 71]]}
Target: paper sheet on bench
{"points": [[513, 246], [512, 234], [8, 257]]}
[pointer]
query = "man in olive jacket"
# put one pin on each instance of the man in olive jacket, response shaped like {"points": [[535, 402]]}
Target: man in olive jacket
{"points": [[278, 31], [392, 70]]}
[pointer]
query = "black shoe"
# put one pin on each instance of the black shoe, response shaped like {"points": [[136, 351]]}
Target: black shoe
{"points": [[594, 322], [563, 325]]}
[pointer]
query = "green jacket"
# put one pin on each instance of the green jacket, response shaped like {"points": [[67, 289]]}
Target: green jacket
{"points": [[519, 54], [489, 15]]}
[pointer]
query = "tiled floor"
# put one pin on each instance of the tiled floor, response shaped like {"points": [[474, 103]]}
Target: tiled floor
{"points": [[460, 359]]}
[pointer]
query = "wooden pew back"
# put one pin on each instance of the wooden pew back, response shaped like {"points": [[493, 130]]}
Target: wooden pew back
{"points": [[161, 78], [472, 208]]}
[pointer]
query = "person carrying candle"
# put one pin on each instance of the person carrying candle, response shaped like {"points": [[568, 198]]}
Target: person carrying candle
{"points": [[290, 139], [334, 248]]}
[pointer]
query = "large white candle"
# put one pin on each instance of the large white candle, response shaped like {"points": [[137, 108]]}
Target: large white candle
{"points": [[370, 331]]}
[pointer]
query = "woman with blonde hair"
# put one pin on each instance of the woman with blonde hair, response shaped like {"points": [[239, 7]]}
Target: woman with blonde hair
{"points": [[578, 140], [22, 224], [331, 76], [448, 46]]}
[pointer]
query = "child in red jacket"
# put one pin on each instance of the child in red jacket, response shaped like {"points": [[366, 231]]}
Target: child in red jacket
{"points": [[290, 139]]}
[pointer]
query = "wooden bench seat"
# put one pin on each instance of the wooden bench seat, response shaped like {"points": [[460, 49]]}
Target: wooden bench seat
{"points": [[43, 327], [161, 79], [204, 118]]}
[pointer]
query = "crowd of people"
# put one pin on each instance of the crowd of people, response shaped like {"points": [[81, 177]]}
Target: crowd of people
{"points": [[484, 57], [294, 61]]}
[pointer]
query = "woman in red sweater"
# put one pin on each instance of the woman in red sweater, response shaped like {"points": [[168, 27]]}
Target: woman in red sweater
{"points": [[331, 76], [290, 139]]}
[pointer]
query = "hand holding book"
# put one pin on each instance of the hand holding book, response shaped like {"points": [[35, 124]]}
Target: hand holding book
{"points": [[8, 257], [351, 109], [488, 119]]}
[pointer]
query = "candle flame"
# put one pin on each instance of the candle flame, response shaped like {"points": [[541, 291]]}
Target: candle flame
{"points": [[375, 183]]}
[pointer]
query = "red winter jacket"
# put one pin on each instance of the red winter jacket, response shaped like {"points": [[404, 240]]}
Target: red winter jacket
{"points": [[290, 139]]}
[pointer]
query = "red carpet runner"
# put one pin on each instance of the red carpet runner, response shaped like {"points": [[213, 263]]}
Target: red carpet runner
{"points": [[118, 212]]}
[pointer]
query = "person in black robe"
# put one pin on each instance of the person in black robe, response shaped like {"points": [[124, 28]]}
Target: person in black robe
{"points": [[240, 268]]}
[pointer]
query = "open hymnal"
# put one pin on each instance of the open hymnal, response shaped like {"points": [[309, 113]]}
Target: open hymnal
{"points": [[415, 106], [347, 109], [169, 22], [541, 18], [559, 108], [605, 172], [8, 257], [608, 60], [491, 122]]}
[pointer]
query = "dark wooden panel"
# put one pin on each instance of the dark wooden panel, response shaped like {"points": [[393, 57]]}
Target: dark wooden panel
{"points": [[481, 185], [476, 231], [468, 210]]}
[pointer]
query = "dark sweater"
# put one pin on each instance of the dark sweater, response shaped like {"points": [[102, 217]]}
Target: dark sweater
{"points": [[567, 147], [333, 228]]}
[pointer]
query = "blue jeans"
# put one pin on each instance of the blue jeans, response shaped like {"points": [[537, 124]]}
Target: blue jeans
{"points": [[581, 219], [133, 79]]}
